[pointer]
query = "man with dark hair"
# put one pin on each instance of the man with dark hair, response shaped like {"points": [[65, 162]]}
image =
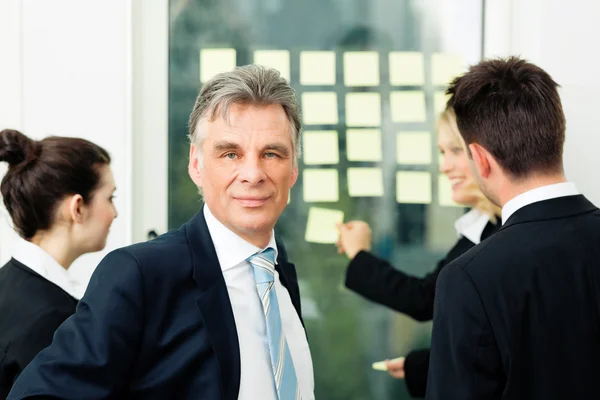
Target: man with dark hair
{"points": [[517, 317]]}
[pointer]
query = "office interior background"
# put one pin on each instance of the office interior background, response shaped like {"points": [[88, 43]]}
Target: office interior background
{"points": [[370, 76]]}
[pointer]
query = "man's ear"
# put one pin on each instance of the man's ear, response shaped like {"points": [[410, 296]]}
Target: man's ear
{"points": [[73, 208], [194, 167], [294, 176], [482, 159]]}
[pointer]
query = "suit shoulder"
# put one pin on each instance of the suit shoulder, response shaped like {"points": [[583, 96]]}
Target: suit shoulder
{"points": [[173, 240], [156, 253]]}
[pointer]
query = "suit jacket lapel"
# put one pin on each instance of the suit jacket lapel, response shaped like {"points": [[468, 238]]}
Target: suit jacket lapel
{"points": [[288, 278], [215, 305]]}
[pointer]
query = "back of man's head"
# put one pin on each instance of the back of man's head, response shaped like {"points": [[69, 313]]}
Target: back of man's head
{"points": [[512, 109]]}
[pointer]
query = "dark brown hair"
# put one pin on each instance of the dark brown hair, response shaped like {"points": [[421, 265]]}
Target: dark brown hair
{"points": [[511, 108], [41, 173]]}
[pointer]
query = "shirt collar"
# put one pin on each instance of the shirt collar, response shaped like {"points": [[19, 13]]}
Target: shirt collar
{"points": [[231, 249], [43, 264], [538, 194], [471, 225]]}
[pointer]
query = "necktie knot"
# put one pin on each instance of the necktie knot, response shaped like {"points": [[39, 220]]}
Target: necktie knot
{"points": [[263, 264]]}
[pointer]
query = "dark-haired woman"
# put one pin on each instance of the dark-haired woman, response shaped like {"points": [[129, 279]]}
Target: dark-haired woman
{"points": [[58, 192]]}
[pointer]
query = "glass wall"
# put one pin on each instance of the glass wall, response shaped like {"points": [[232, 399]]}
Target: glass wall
{"points": [[370, 76]]}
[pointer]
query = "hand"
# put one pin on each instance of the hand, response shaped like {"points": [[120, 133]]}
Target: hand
{"points": [[354, 237], [396, 367]]}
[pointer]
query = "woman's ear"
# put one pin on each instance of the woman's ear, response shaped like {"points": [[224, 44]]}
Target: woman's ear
{"points": [[75, 208]]}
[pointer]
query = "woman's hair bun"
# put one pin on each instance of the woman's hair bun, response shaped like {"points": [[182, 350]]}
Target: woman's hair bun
{"points": [[15, 147]]}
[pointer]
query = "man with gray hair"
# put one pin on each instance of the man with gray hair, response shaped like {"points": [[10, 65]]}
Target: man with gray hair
{"points": [[212, 310]]}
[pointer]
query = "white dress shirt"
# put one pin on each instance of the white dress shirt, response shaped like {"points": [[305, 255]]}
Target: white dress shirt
{"points": [[538, 194], [42, 263], [256, 380], [471, 225]]}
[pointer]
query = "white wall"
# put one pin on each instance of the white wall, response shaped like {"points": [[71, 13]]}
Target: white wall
{"points": [[69, 67], [559, 36], [10, 96]]}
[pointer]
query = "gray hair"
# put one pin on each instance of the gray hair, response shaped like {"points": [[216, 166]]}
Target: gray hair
{"points": [[252, 85]]}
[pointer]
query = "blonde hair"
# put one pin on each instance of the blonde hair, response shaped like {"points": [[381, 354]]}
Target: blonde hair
{"points": [[482, 203]]}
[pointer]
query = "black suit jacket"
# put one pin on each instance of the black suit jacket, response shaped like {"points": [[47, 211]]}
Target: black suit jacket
{"points": [[155, 323], [517, 317], [31, 309], [378, 281]]}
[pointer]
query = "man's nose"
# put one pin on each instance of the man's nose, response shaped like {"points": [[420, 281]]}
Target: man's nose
{"points": [[252, 170]]}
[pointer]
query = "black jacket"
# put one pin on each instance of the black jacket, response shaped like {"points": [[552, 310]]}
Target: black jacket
{"points": [[379, 281], [31, 309], [518, 317]]}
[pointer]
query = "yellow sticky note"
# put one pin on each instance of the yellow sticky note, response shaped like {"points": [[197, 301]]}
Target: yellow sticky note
{"points": [[446, 67], [413, 148], [361, 68], [320, 147], [317, 68], [321, 225], [363, 109], [363, 145], [319, 108], [215, 61], [440, 99], [365, 182], [408, 106], [407, 68], [320, 185], [278, 59], [381, 366], [445, 192], [413, 187]]}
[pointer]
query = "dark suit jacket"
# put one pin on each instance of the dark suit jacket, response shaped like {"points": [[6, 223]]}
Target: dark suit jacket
{"points": [[155, 323], [31, 309], [378, 281], [517, 317]]}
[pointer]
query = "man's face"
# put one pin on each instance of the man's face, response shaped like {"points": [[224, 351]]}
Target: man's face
{"points": [[248, 169]]}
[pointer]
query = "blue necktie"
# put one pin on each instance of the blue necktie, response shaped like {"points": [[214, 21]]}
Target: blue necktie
{"points": [[284, 374]]}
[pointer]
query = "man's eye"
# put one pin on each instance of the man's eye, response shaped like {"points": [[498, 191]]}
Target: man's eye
{"points": [[271, 155], [231, 156]]}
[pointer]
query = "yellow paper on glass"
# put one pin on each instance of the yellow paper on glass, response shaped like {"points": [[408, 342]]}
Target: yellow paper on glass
{"points": [[321, 225], [363, 109], [445, 192], [320, 185], [363, 145], [408, 106], [413, 187], [278, 59], [320, 147], [317, 68], [365, 182], [215, 61], [413, 148], [440, 99], [319, 108], [361, 68], [446, 67], [407, 68]]}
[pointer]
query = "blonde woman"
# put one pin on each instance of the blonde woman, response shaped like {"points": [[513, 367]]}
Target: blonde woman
{"points": [[379, 281]]}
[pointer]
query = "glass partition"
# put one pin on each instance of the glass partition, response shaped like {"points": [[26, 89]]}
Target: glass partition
{"points": [[370, 76]]}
